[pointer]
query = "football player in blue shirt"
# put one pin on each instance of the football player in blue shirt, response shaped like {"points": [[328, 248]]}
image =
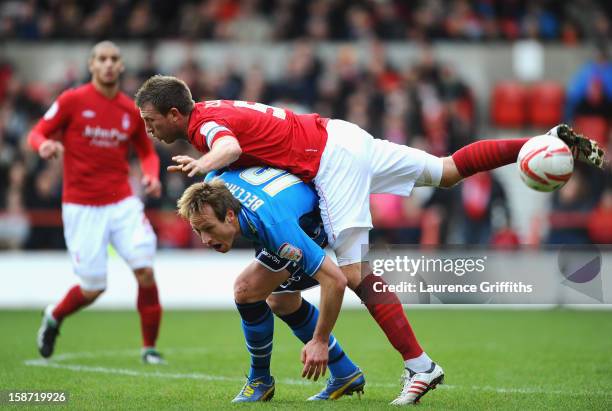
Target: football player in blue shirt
{"points": [[267, 205]]}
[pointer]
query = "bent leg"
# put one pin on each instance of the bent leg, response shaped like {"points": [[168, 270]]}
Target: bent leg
{"points": [[386, 308], [251, 289], [75, 299], [301, 317], [480, 156]]}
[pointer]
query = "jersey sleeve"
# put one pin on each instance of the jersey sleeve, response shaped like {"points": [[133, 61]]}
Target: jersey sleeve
{"points": [[149, 160], [55, 119], [287, 240], [211, 131]]}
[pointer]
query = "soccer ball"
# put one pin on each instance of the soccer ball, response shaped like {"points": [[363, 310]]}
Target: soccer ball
{"points": [[545, 163]]}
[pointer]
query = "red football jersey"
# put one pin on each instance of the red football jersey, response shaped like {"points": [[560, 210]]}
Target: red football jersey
{"points": [[96, 132], [267, 135]]}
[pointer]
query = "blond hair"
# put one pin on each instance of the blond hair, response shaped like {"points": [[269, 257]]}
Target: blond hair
{"points": [[214, 193]]}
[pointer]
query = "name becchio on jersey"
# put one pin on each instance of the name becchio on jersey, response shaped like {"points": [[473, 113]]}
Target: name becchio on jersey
{"points": [[96, 132], [267, 135]]}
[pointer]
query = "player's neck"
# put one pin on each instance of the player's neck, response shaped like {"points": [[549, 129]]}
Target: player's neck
{"points": [[238, 227], [107, 91]]}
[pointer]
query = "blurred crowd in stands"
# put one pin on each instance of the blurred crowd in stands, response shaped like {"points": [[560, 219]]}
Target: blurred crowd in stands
{"points": [[427, 105], [277, 20]]}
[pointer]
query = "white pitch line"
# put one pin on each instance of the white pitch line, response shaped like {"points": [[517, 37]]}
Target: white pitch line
{"points": [[56, 363]]}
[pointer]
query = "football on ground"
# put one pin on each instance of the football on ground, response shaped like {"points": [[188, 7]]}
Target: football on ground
{"points": [[493, 359], [545, 163]]}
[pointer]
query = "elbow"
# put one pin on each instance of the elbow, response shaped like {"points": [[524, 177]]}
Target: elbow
{"points": [[235, 152]]}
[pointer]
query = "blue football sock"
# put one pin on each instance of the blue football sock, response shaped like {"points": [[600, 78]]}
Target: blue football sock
{"points": [[303, 323], [258, 328]]}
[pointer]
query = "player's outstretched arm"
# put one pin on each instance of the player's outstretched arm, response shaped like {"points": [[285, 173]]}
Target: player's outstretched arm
{"points": [[315, 352], [224, 151]]}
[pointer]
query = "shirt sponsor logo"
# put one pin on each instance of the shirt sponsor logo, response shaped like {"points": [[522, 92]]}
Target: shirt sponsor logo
{"points": [[104, 137], [88, 113], [52, 111], [290, 252]]}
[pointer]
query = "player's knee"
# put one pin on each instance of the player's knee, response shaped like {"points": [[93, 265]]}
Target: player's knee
{"points": [[285, 303], [243, 293], [450, 173], [352, 274], [144, 276]]}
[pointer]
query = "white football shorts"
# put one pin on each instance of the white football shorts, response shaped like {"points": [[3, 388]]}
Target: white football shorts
{"points": [[89, 229], [354, 165]]}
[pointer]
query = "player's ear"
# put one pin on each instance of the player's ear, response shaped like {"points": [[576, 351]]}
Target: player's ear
{"points": [[230, 216], [174, 114]]}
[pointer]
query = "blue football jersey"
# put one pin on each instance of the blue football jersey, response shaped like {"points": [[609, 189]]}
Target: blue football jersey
{"points": [[273, 202]]}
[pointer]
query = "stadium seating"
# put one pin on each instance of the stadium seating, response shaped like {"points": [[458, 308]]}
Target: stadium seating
{"points": [[545, 104], [508, 109]]}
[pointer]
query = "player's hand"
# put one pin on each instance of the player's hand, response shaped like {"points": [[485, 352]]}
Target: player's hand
{"points": [[315, 355], [181, 160], [189, 165], [152, 186], [50, 149]]}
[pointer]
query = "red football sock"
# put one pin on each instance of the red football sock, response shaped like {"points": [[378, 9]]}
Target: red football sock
{"points": [[150, 314], [486, 155], [72, 301], [388, 312]]}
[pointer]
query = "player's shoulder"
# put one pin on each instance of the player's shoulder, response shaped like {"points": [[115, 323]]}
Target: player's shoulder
{"points": [[251, 196], [215, 109], [73, 94], [66, 101], [200, 115], [127, 103]]}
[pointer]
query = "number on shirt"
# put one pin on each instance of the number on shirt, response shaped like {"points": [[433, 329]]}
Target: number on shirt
{"points": [[263, 175], [263, 108]]}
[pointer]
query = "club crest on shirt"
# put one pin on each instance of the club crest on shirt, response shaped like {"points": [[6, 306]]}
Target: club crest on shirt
{"points": [[125, 121], [290, 252]]}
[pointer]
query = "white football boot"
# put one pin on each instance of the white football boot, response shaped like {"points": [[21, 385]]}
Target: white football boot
{"points": [[417, 384]]}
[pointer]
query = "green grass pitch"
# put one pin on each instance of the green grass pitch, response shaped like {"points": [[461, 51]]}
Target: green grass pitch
{"points": [[515, 360]]}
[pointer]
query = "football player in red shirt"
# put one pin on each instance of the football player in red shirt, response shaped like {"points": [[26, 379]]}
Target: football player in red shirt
{"points": [[97, 124], [346, 165]]}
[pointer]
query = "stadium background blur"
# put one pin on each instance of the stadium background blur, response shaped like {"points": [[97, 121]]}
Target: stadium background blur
{"points": [[431, 74]]}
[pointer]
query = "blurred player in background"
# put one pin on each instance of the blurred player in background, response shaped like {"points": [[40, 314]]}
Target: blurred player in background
{"points": [[346, 165], [96, 124]]}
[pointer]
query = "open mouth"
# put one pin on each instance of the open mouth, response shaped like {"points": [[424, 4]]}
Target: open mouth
{"points": [[217, 247]]}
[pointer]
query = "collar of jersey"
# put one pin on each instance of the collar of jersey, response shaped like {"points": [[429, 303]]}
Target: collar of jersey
{"points": [[247, 226]]}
